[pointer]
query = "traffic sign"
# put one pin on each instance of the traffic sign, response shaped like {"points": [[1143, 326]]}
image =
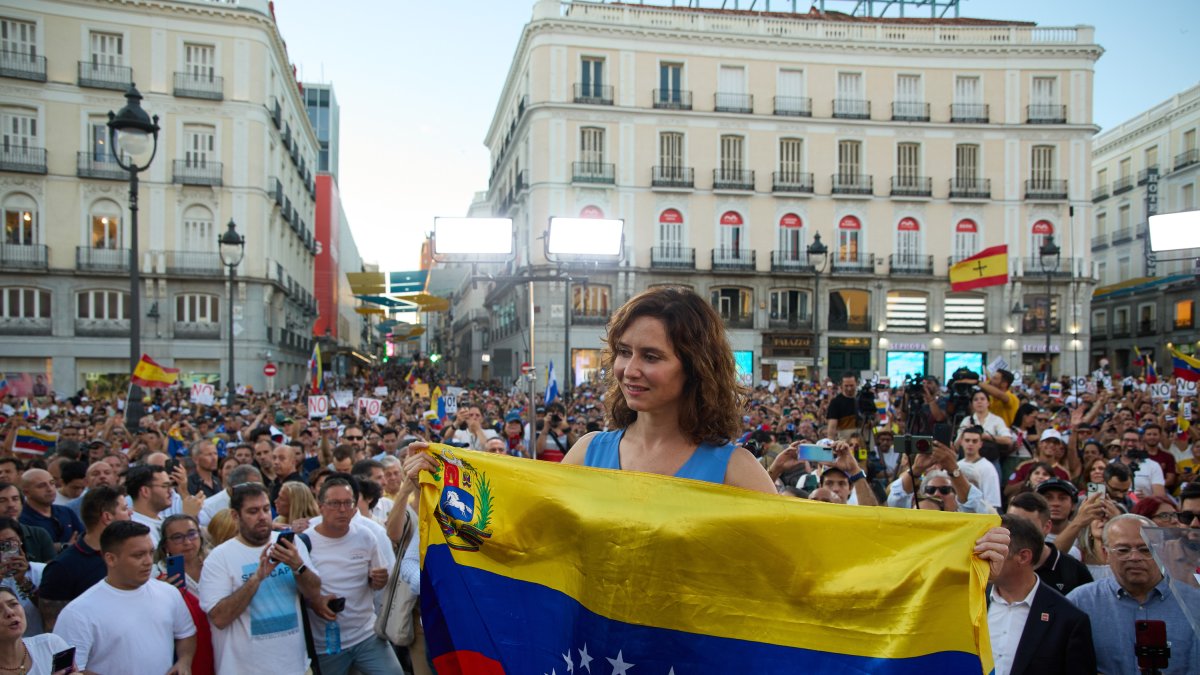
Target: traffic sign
{"points": [[269, 370]]}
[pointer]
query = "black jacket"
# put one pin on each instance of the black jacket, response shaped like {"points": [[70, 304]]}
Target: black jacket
{"points": [[1057, 638]]}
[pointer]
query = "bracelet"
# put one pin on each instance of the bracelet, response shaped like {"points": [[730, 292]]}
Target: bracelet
{"points": [[857, 477]]}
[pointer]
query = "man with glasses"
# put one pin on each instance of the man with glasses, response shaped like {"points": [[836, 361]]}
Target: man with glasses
{"points": [[354, 570], [1136, 591], [150, 489]]}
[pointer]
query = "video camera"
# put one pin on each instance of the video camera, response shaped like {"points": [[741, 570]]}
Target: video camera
{"points": [[866, 400]]}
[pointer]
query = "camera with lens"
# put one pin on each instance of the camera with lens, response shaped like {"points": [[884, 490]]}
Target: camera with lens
{"points": [[907, 444], [866, 400], [958, 386]]}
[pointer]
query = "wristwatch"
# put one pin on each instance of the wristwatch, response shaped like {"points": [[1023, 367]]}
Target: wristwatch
{"points": [[956, 472], [857, 477], [301, 569]]}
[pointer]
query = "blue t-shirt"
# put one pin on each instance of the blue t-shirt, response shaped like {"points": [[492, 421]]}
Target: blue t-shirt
{"points": [[707, 463], [62, 524]]}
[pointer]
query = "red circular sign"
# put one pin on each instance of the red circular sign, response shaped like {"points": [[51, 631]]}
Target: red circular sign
{"points": [[1043, 227], [269, 370]]}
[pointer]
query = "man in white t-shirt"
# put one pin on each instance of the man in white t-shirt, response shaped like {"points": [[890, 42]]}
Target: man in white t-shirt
{"points": [[471, 433], [251, 587], [354, 570], [1148, 477], [971, 441], [150, 489], [156, 634]]}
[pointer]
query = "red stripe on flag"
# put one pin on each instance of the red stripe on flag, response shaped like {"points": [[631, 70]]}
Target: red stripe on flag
{"points": [[466, 663], [981, 282]]}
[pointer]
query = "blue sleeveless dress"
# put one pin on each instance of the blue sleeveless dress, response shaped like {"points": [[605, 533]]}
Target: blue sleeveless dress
{"points": [[707, 463]]}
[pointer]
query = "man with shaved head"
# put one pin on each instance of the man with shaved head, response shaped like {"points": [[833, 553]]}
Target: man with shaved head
{"points": [[40, 510]]}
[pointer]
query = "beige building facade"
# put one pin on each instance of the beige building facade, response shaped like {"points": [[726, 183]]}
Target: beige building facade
{"points": [[235, 144], [727, 140]]}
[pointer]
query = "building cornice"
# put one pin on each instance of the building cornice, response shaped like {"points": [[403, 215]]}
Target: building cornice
{"points": [[1165, 119]]}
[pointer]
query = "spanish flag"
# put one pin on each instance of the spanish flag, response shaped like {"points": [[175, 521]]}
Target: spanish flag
{"points": [[1186, 367], [528, 567], [150, 374], [989, 267]]}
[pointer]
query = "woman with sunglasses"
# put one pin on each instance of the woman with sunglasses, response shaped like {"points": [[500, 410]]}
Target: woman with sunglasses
{"points": [[19, 654]]}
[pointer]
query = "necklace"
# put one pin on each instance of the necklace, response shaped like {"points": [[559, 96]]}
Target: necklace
{"points": [[20, 669]]}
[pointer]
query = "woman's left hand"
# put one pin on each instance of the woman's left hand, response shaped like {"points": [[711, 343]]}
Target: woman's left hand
{"points": [[17, 566], [993, 548]]}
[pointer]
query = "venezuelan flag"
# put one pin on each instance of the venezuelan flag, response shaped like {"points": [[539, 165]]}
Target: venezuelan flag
{"points": [[1186, 367], [989, 267], [176, 446], [314, 368], [147, 373], [34, 443], [529, 567]]}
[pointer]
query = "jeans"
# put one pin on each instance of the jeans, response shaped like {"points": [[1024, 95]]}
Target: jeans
{"points": [[369, 657]]}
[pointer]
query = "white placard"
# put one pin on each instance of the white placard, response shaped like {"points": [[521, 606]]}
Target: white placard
{"points": [[998, 364], [1187, 389], [381, 391], [1160, 391], [1079, 384], [318, 407], [1185, 410], [203, 393], [458, 391], [1108, 383], [368, 406], [343, 398], [786, 378], [451, 403]]}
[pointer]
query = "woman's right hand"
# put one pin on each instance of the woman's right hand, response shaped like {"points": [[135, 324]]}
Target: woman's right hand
{"points": [[418, 460]]}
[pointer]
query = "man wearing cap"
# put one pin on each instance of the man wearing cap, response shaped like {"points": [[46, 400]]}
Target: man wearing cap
{"points": [[844, 474], [1061, 571], [1050, 450], [513, 435], [1147, 474], [1060, 495]]}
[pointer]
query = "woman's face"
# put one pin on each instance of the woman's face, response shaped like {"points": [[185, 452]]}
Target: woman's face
{"points": [[12, 625], [979, 402], [283, 504], [183, 538], [646, 366], [1038, 475], [1096, 475], [1165, 516], [228, 469]]}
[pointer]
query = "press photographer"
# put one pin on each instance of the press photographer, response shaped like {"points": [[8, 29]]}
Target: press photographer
{"points": [[847, 412]]}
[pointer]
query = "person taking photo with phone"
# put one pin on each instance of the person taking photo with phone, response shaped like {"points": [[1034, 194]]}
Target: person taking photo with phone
{"points": [[31, 655], [178, 560]]}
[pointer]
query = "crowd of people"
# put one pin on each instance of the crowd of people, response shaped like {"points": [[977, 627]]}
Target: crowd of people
{"points": [[246, 536]]}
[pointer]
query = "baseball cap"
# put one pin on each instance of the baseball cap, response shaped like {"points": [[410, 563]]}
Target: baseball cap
{"points": [[1058, 484], [512, 417], [1052, 433]]}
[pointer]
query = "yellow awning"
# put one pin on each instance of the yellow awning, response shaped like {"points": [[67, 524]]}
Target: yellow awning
{"points": [[427, 302], [371, 310]]}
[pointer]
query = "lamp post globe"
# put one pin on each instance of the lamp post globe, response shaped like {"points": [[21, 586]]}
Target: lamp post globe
{"points": [[1050, 255], [233, 248]]}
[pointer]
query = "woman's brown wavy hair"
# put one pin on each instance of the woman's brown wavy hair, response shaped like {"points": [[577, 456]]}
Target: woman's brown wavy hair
{"points": [[711, 409]]}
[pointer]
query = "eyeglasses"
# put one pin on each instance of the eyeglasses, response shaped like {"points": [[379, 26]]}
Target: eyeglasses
{"points": [[1185, 517], [939, 490], [1126, 552], [353, 438], [1166, 517], [340, 505], [180, 537]]}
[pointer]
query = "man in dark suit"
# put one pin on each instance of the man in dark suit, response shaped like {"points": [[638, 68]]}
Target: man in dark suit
{"points": [[1033, 628]]}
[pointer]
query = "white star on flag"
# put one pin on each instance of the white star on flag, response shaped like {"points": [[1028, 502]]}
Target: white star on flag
{"points": [[585, 661], [619, 665], [570, 663]]}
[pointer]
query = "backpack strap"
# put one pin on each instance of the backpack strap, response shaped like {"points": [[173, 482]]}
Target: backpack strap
{"points": [[309, 646]]}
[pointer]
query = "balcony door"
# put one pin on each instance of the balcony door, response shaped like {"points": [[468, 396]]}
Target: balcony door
{"points": [[670, 234], [966, 239], [200, 145], [107, 50], [908, 241], [732, 236], [849, 230], [791, 238], [20, 130]]}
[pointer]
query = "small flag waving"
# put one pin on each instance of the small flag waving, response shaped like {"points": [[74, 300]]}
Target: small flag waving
{"points": [[437, 404], [1186, 367], [314, 367], [34, 443], [150, 374], [551, 385], [989, 267]]}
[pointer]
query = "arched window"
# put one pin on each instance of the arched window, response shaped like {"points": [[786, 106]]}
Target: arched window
{"points": [[849, 310], [791, 239], [20, 220], [908, 241], [590, 303], [849, 234], [102, 305], [24, 303], [731, 244], [966, 239], [591, 211], [198, 233], [1038, 234], [735, 305], [671, 235], [105, 224]]}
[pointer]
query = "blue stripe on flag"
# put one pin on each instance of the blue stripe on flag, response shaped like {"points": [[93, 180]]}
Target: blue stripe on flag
{"points": [[529, 628]]}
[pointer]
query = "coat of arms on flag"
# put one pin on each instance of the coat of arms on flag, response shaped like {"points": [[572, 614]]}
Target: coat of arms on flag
{"points": [[464, 509]]}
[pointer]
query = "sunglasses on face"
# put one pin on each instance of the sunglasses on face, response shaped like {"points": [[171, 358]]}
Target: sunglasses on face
{"points": [[939, 489], [1185, 517]]}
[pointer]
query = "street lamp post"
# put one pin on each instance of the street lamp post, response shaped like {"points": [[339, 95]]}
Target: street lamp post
{"points": [[1050, 257], [233, 247], [817, 257], [131, 133]]}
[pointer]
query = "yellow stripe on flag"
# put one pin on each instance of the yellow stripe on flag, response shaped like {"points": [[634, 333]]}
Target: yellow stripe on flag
{"points": [[147, 373], [989, 267]]}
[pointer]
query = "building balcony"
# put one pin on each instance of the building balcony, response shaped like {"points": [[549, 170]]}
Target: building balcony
{"points": [[1099, 241], [857, 324], [672, 99], [276, 112], [1032, 267], [1099, 193], [738, 320], [852, 184], [1121, 235], [673, 258], [792, 182], [1187, 158], [851, 109], [198, 263], [593, 172], [23, 257], [1122, 330], [192, 172], [589, 317], [1147, 327], [912, 186], [1139, 230], [1046, 189], [99, 165], [793, 106], [969, 113], [674, 177], [733, 259], [911, 264], [21, 66], [733, 179], [26, 326], [791, 261], [790, 322], [521, 183], [1046, 113], [27, 159], [111, 260], [102, 327], [970, 188], [593, 94], [910, 111], [104, 76], [863, 263], [1124, 184], [733, 103], [1183, 323], [1143, 176], [196, 85], [275, 190], [197, 330]]}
